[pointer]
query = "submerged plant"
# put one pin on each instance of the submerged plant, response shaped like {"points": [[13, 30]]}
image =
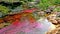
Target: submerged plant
{"points": [[4, 10]]}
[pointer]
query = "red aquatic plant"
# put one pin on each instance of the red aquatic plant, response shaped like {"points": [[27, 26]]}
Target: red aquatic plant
{"points": [[16, 17]]}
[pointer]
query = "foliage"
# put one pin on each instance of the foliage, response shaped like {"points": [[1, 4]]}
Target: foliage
{"points": [[44, 4], [56, 2], [4, 10]]}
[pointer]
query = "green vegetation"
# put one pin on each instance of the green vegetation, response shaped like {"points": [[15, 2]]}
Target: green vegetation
{"points": [[57, 9], [4, 10], [44, 4]]}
